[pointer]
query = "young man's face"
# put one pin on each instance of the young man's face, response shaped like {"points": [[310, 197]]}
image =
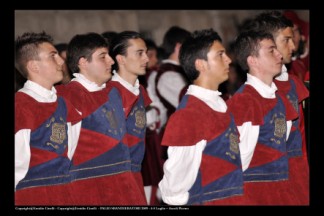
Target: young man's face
{"points": [[50, 63], [218, 63], [99, 69], [269, 60], [285, 43], [136, 59]]}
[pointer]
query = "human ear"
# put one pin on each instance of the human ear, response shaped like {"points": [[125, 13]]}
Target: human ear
{"points": [[82, 60], [251, 60], [200, 65], [32, 66], [120, 59]]}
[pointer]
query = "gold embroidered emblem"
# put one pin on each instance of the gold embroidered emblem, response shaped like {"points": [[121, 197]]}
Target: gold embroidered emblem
{"points": [[58, 133], [51, 121], [280, 127], [140, 118], [230, 155], [50, 144], [276, 141], [111, 119], [109, 115], [234, 143], [293, 102]]}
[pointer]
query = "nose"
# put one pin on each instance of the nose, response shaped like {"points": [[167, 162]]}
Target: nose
{"points": [[146, 57], [228, 59], [292, 45], [110, 60], [278, 54], [60, 60]]}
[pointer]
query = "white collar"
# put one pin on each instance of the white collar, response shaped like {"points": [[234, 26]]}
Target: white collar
{"points": [[86, 83], [263, 89], [210, 97], [38, 92], [134, 89], [283, 75]]}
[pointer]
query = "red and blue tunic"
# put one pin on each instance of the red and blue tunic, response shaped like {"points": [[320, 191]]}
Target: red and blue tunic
{"points": [[49, 166], [134, 109], [267, 176], [101, 167], [219, 180], [295, 91]]}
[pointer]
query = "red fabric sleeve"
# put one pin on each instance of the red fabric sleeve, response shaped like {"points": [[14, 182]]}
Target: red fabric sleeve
{"points": [[60, 89], [245, 108], [73, 116], [298, 69], [302, 91], [29, 113], [83, 100], [194, 122], [184, 128], [147, 99]]}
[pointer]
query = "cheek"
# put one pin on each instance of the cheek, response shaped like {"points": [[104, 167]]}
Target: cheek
{"points": [[280, 48], [101, 66], [138, 62]]}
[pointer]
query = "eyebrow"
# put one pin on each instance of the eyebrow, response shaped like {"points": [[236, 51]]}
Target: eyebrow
{"points": [[288, 36], [221, 51], [140, 50], [53, 52], [102, 53], [272, 47]]}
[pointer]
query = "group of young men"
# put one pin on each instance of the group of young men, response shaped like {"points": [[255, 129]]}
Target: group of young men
{"points": [[83, 143]]}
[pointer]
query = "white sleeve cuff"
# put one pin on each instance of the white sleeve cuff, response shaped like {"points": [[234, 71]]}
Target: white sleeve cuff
{"points": [[180, 172], [151, 117], [289, 125], [180, 199]]}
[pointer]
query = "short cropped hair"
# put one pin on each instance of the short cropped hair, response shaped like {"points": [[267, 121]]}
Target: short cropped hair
{"points": [[26, 49]]}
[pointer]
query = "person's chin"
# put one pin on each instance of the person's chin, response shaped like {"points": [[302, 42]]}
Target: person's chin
{"points": [[142, 72], [60, 79], [287, 61]]}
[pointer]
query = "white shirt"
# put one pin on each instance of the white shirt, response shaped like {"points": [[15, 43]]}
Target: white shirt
{"points": [[182, 165], [170, 84], [249, 133], [151, 91], [22, 137]]}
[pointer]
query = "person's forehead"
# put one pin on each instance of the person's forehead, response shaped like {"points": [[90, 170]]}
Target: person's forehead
{"points": [[217, 45], [100, 50], [46, 47], [285, 32], [136, 43], [266, 43]]}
